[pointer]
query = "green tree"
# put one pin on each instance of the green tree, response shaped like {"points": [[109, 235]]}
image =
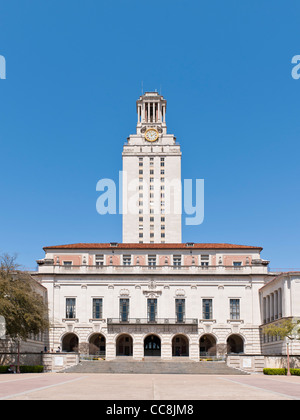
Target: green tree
{"points": [[284, 328], [23, 308]]}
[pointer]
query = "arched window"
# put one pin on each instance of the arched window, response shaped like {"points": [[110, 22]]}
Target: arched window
{"points": [[124, 345], [152, 346], [207, 345], [235, 344], [70, 343], [97, 345], [180, 346]]}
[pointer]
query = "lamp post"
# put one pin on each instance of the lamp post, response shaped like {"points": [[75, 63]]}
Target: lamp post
{"points": [[288, 359]]}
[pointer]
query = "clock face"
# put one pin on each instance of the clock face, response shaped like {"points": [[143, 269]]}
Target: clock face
{"points": [[151, 134]]}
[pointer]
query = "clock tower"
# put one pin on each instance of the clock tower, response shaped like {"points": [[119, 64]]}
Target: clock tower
{"points": [[151, 177]]}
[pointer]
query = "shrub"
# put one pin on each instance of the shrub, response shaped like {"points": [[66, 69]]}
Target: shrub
{"points": [[3, 369], [281, 371], [271, 371], [31, 369], [295, 372]]}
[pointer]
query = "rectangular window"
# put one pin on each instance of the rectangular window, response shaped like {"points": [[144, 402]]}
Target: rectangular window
{"points": [[180, 310], [177, 261], [152, 310], [237, 263], [126, 259], [235, 309], [207, 308], [70, 308], [152, 261], [68, 265], [204, 260], [97, 308], [99, 260], [124, 310]]}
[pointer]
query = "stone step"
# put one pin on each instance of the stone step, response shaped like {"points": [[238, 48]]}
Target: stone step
{"points": [[154, 367]]}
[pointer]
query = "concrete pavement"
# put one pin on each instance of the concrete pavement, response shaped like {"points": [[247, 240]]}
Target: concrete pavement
{"points": [[69, 386]]}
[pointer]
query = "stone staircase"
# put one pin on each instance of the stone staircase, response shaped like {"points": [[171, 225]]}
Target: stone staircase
{"points": [[158, 366]]}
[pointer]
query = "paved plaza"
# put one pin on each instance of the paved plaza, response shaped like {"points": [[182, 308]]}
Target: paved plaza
{"points": [[62, 386]]}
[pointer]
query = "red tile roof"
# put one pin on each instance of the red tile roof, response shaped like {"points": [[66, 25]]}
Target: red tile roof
{"points": [[151, 246]]}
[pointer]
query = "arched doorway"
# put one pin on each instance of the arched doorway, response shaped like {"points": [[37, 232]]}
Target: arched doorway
{"points": [[124, 345], [207, 345], [70, 343], [152, 346], [97, 345], [235, 344], [180, 346]]}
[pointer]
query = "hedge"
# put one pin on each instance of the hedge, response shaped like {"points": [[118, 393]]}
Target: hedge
{"points": [[24, 369], [281, 371]]}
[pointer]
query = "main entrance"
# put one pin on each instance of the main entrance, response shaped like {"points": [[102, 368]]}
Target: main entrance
{"points": [[152, 346]]}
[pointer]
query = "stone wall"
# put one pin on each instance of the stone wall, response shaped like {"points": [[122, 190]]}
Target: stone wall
{"points": [[256, 363], [55, 362]]}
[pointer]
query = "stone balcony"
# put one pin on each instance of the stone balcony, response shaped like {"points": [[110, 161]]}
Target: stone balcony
{"points": [[156, 321], [45, 268]]}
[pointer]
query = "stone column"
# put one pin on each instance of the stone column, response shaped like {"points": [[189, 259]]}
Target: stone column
{"points": [[194, 348], [166, 348], [110, 351], [138, 348]]}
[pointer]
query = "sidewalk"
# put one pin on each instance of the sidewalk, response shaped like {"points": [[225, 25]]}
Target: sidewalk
{"points": [[60, 386]]}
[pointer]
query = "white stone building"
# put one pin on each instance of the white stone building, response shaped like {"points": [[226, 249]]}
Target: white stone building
{"points": [[190, 299], [153, 295]]}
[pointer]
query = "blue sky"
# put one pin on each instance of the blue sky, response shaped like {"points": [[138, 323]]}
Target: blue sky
{"points": [[74, 72]]}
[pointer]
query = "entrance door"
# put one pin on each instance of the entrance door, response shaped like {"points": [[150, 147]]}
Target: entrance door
{"points": [[152, 346]]}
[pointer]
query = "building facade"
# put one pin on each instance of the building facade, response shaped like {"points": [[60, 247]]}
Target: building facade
{"points": [[165, 300], [153, 295]]}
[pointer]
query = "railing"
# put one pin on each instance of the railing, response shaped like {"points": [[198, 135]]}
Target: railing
{"points": [[168, 321], [157, 269]]}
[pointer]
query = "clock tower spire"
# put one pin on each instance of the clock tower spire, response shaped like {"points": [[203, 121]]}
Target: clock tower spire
{"points": [[151, 110]]}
